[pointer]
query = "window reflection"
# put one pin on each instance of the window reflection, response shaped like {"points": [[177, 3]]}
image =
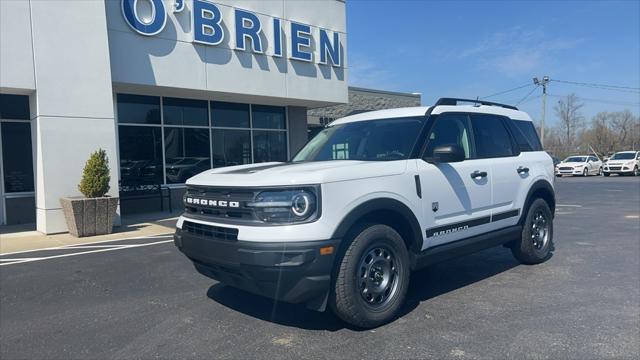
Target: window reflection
{"points": [[186, 153], [231, 147], [140, 154], [269, 146]]}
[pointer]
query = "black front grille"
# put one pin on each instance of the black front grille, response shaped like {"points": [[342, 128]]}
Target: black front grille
{"points": [[240, 213], [566, 168], [615, 167], [208, 231]]}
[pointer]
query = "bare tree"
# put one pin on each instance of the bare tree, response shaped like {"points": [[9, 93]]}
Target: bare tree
{"points": [[571, 120], [622, 124]]}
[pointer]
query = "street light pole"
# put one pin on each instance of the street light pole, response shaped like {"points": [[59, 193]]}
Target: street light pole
{"points": [[544, 82]]}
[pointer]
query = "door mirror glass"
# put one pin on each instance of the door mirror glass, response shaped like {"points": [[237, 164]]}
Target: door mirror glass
{"points": [[447, 154]]}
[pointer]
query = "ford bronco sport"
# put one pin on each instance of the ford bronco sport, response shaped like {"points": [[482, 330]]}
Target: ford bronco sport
{"points": [[371, 198]]}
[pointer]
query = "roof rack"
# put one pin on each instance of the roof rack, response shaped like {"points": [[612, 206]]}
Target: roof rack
{"points": [[455, 101]]}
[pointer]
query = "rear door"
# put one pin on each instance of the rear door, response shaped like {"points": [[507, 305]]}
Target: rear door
{"points": [[456, 203], [499, 139]]}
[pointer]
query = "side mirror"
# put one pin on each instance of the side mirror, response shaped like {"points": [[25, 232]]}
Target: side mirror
{"points": [[447, 154]]}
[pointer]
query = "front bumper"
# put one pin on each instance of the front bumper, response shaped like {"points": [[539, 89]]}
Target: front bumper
{"points": [[292, 272], [618, 169], [569, 172]]}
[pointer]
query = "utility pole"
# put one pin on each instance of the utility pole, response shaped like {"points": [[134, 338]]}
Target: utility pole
{"points": [[544, 82]]}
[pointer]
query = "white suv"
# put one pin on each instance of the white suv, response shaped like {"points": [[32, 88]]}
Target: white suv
{"points": [[371, 198], [623, 163]]}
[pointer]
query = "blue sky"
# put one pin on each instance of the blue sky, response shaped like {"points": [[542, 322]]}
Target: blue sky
{"points": [[477, 48]]}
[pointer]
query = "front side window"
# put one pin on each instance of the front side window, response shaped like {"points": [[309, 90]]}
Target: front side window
{"points": [[450, 129], [371, 140], [491, 137]]}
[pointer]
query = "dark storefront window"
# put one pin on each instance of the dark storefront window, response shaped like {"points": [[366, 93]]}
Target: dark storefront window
{"points": [[138, 109], [15, 107], [269, 146], [231, 147], [268, 117], [191, 136], [229, 114], [140, 154], [186, 153], [17, 157], [185, 112]]}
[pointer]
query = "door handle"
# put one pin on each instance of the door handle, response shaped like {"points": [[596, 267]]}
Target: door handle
{"points": [[522, 170], [478, 174]]}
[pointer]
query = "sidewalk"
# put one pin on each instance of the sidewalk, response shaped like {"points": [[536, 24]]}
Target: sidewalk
{"points": [[15, 238]]}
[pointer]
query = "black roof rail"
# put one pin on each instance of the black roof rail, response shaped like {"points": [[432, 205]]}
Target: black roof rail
{"points": [[455, 101]]}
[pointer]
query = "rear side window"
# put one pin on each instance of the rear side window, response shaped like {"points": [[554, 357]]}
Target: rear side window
{"points": [[523, 131], [491, 137]]}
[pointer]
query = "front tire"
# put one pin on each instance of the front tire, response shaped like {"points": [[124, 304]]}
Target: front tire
{"points": [[536, 241], [372, 278], [585, 172], [636, 171], [606, 174]]}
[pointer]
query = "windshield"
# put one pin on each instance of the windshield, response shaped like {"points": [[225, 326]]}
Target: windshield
{"points": [[623, 156], [372, 140], [576, 159]]}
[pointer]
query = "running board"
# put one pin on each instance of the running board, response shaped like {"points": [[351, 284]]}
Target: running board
{"points": [[465, 246]]}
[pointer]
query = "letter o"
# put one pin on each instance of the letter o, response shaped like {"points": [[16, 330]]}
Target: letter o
{"points": [[158, 17]]}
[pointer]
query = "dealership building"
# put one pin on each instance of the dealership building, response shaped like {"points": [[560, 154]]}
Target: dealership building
{"points": [[167, 87]]}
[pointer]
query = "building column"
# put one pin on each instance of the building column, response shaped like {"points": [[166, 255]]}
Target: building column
{"points": [[297, 117], [73, 104]]}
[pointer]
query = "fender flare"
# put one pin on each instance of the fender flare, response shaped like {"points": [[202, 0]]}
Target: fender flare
{"points": [[536, 186], [382, 204]]}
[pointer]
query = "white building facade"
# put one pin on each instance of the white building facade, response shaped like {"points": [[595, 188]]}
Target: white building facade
{"points": [[167, 87]]}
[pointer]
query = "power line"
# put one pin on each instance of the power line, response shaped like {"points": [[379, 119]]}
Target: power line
{"points": [[507, 91], [526, 96], [601, 86], [601, 101]]}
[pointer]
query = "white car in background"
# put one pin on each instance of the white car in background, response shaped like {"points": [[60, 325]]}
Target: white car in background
{"points": [[623, 163], [579, 165]]}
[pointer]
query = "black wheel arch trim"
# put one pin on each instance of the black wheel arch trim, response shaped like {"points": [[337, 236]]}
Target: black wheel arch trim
{"points": [[536, 186], [378, 204]]}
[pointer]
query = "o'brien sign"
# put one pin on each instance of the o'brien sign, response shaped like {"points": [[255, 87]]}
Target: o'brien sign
{"points": [[208, 28]]}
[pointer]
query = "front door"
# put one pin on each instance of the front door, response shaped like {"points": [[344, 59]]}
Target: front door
{"points": [[456, 196]]}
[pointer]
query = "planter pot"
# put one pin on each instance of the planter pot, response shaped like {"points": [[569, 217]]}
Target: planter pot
{"points": [[89, 216]]}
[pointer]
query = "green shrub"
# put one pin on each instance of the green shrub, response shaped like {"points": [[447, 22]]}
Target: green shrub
{"points": [[95, 176]]}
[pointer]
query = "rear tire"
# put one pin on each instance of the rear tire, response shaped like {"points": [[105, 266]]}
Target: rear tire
{"points": [[372, 278], [536, 241]]}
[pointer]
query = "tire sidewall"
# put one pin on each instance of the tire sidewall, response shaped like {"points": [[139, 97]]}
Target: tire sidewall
{"points": [[370, 237], [526, 244]]}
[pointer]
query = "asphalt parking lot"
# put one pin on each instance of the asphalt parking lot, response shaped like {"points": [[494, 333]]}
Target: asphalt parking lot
{"points": [[147, 301]]}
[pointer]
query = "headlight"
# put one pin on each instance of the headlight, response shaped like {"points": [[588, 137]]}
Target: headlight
{"points": [[629, 163], [286, 206]]}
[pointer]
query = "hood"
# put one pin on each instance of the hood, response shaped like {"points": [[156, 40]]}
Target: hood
{"points": [[571, 163], [302, 173]]}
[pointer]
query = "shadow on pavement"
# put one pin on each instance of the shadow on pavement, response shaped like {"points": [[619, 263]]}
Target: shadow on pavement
{"points": [[427, 283]]}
